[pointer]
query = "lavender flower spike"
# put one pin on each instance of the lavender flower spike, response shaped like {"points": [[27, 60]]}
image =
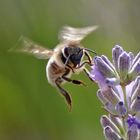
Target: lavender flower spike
{"points": [[119, 92]]}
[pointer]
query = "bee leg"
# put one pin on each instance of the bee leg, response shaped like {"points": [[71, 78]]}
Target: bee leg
{"points": [[71, 68], [89, 58], [64, 93], [77, 82], [87, 73], [89, 61], [83, 63], [85, 70]]}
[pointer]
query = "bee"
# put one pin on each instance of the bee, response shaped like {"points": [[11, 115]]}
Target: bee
{"points": [[64, 60]]}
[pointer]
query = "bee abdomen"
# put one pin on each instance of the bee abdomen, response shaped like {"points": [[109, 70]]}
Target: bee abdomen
{"points": [[53, 72]]}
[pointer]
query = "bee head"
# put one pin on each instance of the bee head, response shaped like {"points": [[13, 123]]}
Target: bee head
{"points": [[73, 54]]}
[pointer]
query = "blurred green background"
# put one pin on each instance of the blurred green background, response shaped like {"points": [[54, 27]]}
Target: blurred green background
{"points": [[30, 108]]}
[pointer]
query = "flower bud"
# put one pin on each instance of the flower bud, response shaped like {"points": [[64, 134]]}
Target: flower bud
{"points": [[110, 134], [101, 97], [105, 121], [136, 89], [124, 65], [111, 96], [132, 133], [121, 109], [110, 108], [135, 106], [103, 67], [136, 59], [116, 52], [116, 120], [108, 62], [135, 71]]}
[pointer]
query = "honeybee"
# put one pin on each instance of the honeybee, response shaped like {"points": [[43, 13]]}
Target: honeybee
{"points": [[64, 60]]}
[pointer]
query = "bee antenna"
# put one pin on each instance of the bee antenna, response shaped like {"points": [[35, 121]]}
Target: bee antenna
{"points": [[89, 50]]}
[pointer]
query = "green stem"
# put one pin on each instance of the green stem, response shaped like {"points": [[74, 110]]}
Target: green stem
{"points": [[125, 99], [124, 129], [126, 104]]}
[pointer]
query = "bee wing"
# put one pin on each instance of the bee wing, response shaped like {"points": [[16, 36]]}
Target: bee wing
{"points": [[27, 46], [68, 33]]}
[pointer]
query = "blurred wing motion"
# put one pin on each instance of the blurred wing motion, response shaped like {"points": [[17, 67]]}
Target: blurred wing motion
{"points": [[26, 45], [75, 34]]}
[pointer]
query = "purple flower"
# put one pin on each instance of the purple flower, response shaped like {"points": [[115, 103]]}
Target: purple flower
{"points": [[98, 77], [132, 120], [119, 92], [124, 69]]}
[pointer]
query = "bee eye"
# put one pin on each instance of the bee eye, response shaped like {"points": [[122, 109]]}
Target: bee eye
{"points": [[76, 58], [66, 51]]}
